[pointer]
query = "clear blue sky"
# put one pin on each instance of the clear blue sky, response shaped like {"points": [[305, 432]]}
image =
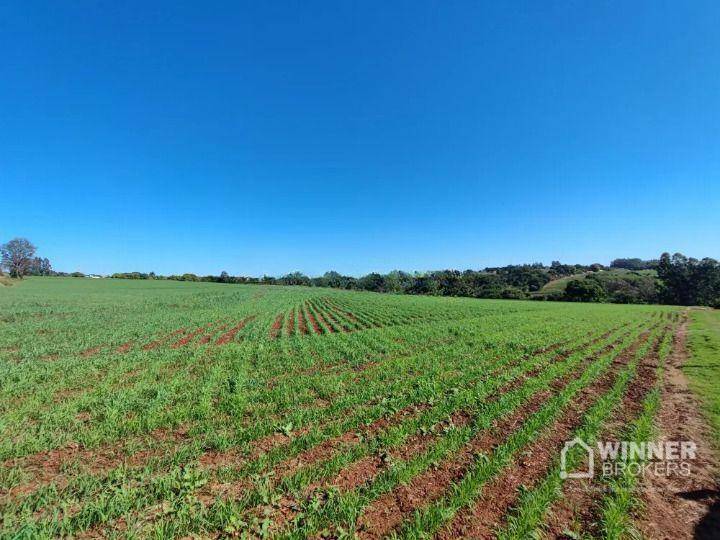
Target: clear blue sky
{"points": [[267, 137]]}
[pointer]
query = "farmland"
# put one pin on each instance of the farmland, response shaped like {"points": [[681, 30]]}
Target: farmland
{"points": [[168, 409]]}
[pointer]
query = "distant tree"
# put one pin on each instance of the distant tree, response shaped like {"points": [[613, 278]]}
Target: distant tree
{"points": [[135, 275], [398, 281], [45, 267], [484, 284], [634, 264], [335, 280], [40, 267], [17, 256], [707, 283], [449, 283], [372, 282], [295, 278], [675, 276], [584, 290], [626, 287], [557, 269], [224, 277], [687, 281], [423, 284], [513, 293], [331, 279]]}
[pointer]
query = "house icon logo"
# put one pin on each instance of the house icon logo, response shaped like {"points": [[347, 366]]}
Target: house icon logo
{"points": [[569, 445]]}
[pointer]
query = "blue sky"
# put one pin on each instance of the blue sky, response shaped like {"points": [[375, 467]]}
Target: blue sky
{"points": [[268, 137]]}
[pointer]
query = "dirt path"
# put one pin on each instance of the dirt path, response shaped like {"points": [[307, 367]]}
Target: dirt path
{"points": [[682, 507]]}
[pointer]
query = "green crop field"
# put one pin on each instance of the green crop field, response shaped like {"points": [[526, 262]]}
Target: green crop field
{"points": [[172, 409]]}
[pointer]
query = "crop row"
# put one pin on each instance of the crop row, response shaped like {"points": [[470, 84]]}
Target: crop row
{"points": [[324, 315], [404, 420], [284, 453], [214, 333]]}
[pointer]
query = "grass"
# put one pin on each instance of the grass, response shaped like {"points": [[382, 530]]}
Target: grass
{"points": [[168, 409], [557, 287], [703, 366]]}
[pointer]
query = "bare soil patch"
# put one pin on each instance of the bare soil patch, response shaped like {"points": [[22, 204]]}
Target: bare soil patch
{"points": [[314, 323], [125, 347], [276, 327], [155, 344], [56, 465], [207, 338], [190, 336], [290, 324], [302, 323], [229, 336], [92, 351]]}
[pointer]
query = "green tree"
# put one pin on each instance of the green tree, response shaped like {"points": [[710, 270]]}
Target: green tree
{"points": [[584, 290]]}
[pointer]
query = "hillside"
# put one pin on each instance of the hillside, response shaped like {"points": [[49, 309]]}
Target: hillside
{"points": [[617, 285]]}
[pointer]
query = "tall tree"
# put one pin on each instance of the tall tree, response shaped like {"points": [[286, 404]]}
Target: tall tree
{"points": [[17, 256], [687, 281], [45, 267]]}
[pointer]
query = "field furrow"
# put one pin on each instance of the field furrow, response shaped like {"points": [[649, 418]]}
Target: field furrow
{"points": [[252, 411]]}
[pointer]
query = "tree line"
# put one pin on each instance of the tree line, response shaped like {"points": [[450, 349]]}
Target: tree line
{"points": [[675, 279]]}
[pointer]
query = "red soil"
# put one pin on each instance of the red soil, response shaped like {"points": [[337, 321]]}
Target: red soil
{"points": [[324, 322], [189, 337], [683, 506], [344, 312], [302, 323], [228, 336], [580, 503], [50, 466], [330, 315], [286, 509], [208, 337], [314, 323], [290, 326], [528, 468], [277, 326], [125, 347], [388, 511], [364, 470], [160, 341], [87, 353]]}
